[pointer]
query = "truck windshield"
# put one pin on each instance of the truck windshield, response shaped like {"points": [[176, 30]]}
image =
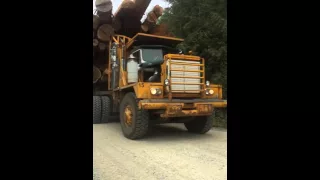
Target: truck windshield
{"points": [[152, 55]]}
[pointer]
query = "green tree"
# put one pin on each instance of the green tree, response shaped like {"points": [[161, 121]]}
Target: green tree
{"points": [[203, 25]]}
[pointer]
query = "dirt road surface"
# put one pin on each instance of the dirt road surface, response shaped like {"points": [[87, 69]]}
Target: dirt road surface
{"points": [[169, 153]]}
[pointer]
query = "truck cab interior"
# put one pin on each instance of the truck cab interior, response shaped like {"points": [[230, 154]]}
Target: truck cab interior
{"points": [[149, 59]]}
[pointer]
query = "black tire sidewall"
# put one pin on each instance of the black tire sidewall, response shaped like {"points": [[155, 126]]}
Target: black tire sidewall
{"points": [[201, 124], [128, 100], [96, 110], [106, 107]]}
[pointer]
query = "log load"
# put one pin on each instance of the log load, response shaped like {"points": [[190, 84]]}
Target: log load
{"points": [[102, 46], [161, 30], [104, 11], [158, 10], [141, 7], [96, 22], [103, 5], [128, 15], [150, 22], [95, 42], [116, 24], [125, 9], [125, 21], [104, 76], [105, 32], [96, 74]]}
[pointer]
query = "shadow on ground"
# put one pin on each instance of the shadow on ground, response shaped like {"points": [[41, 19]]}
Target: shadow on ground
{"points": [[112, 119], [167, 132]]}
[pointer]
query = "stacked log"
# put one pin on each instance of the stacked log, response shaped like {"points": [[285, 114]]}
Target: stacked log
{"points": [[125, 18], [161, 30], [125, 21], [150, 22], [141, 7], [102, 32], [104, 10], [96, 74]]}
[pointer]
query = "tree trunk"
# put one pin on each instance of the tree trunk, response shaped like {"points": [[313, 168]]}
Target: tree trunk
{"points": [[158, 10], [96, 22], [104, 76], [105, 17], [95, 42], [116, 24], [103, 5], [104, 33], [102, 46], [124, 7], [149, 22], [141, 7], [96, 74]]}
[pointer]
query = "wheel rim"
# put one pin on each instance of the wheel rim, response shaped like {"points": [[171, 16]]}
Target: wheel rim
{"points": [[128, 115]]}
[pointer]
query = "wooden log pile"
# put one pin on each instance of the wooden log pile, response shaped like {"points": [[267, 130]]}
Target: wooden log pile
{"points": [[125, 21], [152, 18], [102, 32]]}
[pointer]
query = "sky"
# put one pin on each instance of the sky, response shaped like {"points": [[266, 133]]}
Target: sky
{"points": [[116, 4]]}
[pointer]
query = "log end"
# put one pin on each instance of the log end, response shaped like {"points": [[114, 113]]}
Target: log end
{"points": [[158, 10], [103, 5]]}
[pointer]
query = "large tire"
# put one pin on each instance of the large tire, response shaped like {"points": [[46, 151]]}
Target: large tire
{"points": [[106, 108], [96, 109], [139, 118], [200, 125]]}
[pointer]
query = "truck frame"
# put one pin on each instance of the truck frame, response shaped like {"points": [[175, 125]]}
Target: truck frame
{"points": [[150, 82]]}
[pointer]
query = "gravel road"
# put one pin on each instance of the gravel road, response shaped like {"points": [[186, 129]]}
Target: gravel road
{"points": [[169, 153]]}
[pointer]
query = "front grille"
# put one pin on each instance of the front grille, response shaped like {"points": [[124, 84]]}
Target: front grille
{"points": [[186, 76]]}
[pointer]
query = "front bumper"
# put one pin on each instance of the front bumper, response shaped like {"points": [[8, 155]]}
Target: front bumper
{"points": [[182, 107]]}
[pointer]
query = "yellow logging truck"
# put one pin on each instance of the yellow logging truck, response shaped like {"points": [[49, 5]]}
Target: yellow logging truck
{"points": [[149, 81]]}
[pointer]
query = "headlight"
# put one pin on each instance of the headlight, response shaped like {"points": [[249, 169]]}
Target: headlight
{"points": [[166, 82], [207, 83], [155, 91], [209, 91]]}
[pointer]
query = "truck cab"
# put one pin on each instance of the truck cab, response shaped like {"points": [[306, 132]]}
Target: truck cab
{"points": [[152, 82]]}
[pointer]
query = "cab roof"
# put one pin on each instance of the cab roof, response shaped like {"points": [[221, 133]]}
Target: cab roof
{"points": [[148, 39]]}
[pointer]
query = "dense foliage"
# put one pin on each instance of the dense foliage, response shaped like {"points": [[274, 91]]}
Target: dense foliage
{"points": [[203, 25]]}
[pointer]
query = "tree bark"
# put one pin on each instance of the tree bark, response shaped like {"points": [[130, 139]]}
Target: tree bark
{"points": [[104, 5], [149, 22], [105, 17], [104, 76], [95, 42], [116, 24], [158, 10], [104, 33], [96, 74], [141, 7], [102, 46], [96, 22]]}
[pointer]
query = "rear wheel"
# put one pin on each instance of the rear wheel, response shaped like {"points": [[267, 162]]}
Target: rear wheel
{"points": [[106, 108], [200, 125], [134, 121], [96, 109]]}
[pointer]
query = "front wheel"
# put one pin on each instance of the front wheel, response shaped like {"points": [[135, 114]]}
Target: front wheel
{"points": [[201, 124], [134, 121]]}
